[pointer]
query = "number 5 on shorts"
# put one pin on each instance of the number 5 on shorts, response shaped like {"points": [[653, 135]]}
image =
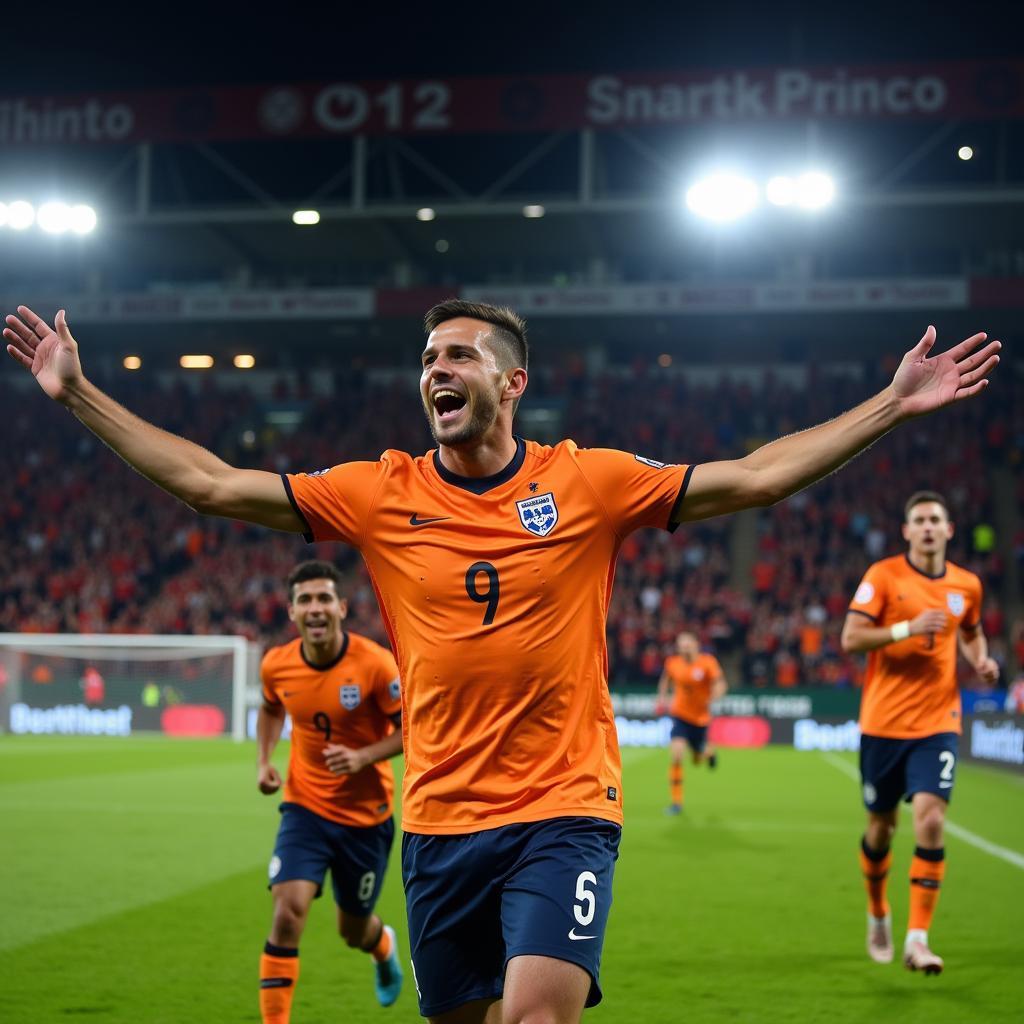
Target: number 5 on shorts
{"points": [[585, 914]]}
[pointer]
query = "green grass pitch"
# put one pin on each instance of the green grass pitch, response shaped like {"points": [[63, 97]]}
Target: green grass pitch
{"points": [[132, 875]]}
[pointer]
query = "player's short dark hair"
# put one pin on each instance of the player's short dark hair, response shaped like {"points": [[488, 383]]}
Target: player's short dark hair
{"points": [[509, 327], [920, 497], [314, 569]]}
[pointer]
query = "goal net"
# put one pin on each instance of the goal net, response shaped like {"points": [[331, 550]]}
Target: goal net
{"points": [[117, 685]]}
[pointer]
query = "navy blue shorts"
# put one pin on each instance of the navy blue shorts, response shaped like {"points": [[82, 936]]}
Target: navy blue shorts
{"points": [[695, 735], [308, 844], [476, 900], [892, 770]]}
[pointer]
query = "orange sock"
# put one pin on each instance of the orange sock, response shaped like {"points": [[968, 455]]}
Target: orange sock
{"points": [[675, 784], [875, 866], [279, 973], [927, 870], [382, 950]]}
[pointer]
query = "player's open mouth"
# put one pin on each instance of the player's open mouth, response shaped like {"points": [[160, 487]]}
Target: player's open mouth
{"points": [[448, 404]]}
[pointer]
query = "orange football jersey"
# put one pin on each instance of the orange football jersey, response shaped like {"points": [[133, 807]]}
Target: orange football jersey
{"points": [[910, 689], [692, 683], [494, 592], [349, 701]]}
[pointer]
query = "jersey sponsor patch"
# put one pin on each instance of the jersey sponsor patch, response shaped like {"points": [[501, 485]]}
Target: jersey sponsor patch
{"points": [[653, 463], [395, 689], [865, 592], [538, 515], [350, 696], [955, 603]]}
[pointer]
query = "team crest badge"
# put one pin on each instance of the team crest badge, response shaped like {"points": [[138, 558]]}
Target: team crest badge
{"points": [[538, 515], [956, 603], [350, 696]]}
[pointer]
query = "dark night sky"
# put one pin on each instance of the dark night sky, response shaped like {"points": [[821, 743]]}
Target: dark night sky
{"points": [[170, 45]]}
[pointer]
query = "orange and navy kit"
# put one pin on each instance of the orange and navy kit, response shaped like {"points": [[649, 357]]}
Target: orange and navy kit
{"points": [[350, 701], [693, 684], [910, 689], [494, 592]]}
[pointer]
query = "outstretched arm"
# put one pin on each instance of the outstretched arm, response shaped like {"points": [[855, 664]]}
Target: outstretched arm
{"points": [[785, 466], [186, 470]]}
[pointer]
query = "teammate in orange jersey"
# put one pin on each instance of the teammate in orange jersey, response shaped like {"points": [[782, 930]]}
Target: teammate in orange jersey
{"points": [[911, 613], [343, 695], [697, 680], [492, 559]]}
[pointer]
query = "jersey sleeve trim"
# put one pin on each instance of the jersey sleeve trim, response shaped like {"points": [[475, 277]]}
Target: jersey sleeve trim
{"points": [[307, 534], [858, 611], [675, 516]]}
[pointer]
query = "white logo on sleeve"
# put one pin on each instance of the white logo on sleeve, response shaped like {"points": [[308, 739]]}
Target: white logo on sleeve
{"points": [[653, 463], [865, 592], [576, 938]]}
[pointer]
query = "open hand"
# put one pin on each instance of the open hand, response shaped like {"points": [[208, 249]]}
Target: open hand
{"points": [[344, 760], [52, 356], [923, 384]]}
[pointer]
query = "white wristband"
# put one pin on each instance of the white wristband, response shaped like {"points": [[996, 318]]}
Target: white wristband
{"points": [[901, 630]]}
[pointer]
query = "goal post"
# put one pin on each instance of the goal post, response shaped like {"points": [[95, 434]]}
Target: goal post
{"points": [[121, 684]]}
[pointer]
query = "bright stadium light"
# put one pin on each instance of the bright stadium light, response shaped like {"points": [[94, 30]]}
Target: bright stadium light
{"points": [[132, 363], [54, 218], [245, 361], [82, 219], [196, 362], [965, 153], [20, 215], [306, 217], [781, 190], [815, 190], [426, 213], [723, 197], [533, 211]]}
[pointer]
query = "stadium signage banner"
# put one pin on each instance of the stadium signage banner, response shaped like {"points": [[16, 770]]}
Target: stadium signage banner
{"points": [[193, 306], [503, 104], [994, 739], [70, 720], [784, 705]]}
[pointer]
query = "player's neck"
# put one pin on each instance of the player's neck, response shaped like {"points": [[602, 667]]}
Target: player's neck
{"points": [[484, 457], [931, 563], [323, 653]]}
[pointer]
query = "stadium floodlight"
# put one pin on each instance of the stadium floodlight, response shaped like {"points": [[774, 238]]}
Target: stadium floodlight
{"points": [[54, 218], [425, 213], [82, 219], [306, 218], [533, 211], [781, 190], [965, 152], [132, 363], [723, 197], [20, 215], [196, 362], [244, 361], [815, 190]]}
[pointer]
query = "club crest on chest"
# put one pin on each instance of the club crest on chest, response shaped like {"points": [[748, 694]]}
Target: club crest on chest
{"points": [[350, 696], [538, 515], [955, 603]]}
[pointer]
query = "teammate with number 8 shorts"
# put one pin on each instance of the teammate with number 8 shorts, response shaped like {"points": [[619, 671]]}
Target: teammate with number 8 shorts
{"points": [[344, 698], [492, 559], [911, 612]]}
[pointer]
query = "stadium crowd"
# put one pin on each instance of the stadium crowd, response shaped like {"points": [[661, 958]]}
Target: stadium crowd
{"points": [[102, 550]]}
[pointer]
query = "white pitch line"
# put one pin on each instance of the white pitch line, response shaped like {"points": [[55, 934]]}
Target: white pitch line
{"points": [[979, 842]]}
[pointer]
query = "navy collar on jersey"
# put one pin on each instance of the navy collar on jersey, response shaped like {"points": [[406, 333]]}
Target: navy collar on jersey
{"points": [[333, 661], [483, 484], [927, 575]]}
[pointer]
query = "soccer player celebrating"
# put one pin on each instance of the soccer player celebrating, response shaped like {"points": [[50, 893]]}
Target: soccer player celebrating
{"points": [[911, 613], [343, 695], [697, 680], [492, 558]]}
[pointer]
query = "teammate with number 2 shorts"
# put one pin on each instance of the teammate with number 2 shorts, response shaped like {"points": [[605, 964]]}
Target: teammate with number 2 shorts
{"points": [[911, 613]]}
